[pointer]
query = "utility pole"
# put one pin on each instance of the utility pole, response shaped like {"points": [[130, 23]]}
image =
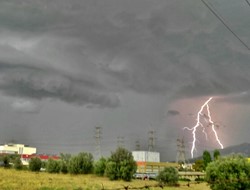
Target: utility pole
{"points": [[120, 141], [98, 133], [151, 140], [181, 155]]}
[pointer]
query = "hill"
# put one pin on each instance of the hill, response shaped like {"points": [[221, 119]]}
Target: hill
{"points": [[237, 149], [243, 148]]}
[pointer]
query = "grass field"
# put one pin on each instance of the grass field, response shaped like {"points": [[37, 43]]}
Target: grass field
{"points": [[24, 180]]}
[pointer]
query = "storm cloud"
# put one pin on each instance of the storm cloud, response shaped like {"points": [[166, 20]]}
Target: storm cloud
{"points": [[173, 112], [136, 58], [84, 53]]}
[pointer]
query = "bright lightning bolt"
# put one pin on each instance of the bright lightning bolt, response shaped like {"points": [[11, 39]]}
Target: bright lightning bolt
{"points": [[212, 123], [199, 124]]}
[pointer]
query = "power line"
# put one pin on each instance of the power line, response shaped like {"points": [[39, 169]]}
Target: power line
{"points": [[224, 23], [248, 2]]}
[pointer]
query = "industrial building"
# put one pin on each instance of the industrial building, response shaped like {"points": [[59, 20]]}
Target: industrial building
{"points": [[148, 164], [26, 152], [146, 156], [12, 148]]}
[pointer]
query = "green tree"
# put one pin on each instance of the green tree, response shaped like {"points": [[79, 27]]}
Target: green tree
{"points": [[199, 165], [18, 165], [111, 170], [53, 166], [169, 176], [35, 164], [206, 158], [83, 163], [121, 165], [100, 167], [216, 154], [229, 173], [6, 161]]}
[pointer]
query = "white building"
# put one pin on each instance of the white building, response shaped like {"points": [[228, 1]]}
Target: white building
{"points": [[17, 149], [146, 156]]}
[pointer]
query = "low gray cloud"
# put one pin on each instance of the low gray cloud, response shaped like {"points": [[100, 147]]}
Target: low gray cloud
{"points": [[86, 53], [25, 106], [236, 98], [173, 112], [21, 78]]}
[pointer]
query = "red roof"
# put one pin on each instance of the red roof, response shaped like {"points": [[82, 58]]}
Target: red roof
{"points": [[41, 156]]}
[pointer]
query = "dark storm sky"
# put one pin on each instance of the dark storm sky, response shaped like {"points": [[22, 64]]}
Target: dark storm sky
{"points": [[127, 66]]}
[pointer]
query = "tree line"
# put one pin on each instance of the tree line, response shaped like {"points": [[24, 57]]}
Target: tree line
{"points": [[222, 173], [120, 165]]}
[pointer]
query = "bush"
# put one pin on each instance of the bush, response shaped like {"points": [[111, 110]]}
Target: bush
{"points": [[53, 166], [184, 179], [169, 176], [44, 164], [111, 170], [199, 165], [35, 164], [18, 165], [100, 167], [6, 161], [198, 179], [121, 165], [229, 173], [63, 167], [81, 164]]}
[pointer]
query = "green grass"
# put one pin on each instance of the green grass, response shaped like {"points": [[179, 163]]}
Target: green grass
{"points": [[25, 180]]}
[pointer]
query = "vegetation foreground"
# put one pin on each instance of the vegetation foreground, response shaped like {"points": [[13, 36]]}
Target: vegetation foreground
{"points": [[25, 180]]}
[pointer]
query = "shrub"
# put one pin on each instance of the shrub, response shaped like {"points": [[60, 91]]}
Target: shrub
{"points": [[229, 173], [111, 170], [199, 179], [121, 165], [199, 165], [100, 167], [81, 164], [6, 161], [18, 165], [35, 164], [44, 164], [53, 166], [184, 179], [63, 167], [169, 176]]}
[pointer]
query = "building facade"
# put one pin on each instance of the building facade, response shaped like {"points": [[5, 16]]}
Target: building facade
{"points": [[12, 148], [146, 156]]}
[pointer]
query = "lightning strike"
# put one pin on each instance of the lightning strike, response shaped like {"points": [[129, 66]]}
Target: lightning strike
{"points": [[213, 128], [208, 119]]}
